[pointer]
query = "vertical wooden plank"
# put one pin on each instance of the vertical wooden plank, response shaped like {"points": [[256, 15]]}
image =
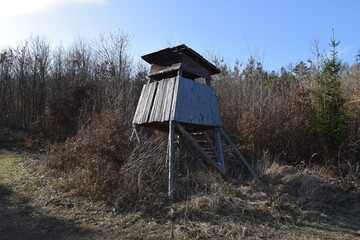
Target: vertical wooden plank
{"points": [[136, 128], [216, 109], [144, 106], [158, 101], [139, 107], [154, 107], [150, 101], [171, 160], [166, 114], [206, 116], [192, 101], [179, 100], [175, 99], [163, 100], [219, 151]]}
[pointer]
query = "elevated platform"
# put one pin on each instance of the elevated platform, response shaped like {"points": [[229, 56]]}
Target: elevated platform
{"points": [[178, 99], [174, 102]]}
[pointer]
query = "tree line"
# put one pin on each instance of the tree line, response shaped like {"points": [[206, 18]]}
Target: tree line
{"points": [[304, 110], [34, 73]]}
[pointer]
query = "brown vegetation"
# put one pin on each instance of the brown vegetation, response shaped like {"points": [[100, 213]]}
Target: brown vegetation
{"points": [[304, 206], [80, 103]]}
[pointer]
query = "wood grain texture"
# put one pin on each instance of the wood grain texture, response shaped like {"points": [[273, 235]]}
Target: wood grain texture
{"points": [[145, 103], [196, 103], [178, 99]]}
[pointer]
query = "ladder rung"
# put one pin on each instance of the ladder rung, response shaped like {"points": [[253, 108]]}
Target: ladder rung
{"points": [[197, 133]]}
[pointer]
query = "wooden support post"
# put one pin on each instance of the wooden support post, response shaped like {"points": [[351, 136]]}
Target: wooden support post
{"points": [[198, 147], [171, 160], [227, 138], [136, 130], [132, 135], [219, 151]]}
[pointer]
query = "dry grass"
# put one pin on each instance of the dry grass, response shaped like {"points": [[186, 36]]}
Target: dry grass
{"points": [[101, 163], [241, 210], [303, 204]]}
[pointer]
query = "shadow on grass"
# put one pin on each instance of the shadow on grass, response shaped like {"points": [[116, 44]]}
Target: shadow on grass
{"points": [[19, 220]]}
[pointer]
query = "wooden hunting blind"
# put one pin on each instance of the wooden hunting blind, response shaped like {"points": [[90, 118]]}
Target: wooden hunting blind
{"points": [[173, 95], [175, 101]]}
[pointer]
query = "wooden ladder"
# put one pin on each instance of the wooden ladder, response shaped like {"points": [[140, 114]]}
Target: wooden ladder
{"points": [[205, 143], [210, 152]]}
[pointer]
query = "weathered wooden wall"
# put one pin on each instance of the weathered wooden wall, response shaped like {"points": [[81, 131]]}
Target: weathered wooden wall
{"points": [[196, 104], [178, 99]]}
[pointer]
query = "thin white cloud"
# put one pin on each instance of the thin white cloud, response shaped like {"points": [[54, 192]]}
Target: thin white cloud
{"points": [[14, 8]]}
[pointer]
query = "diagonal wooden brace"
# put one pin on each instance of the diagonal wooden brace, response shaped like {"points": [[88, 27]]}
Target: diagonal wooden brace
{"points": [[227, 138], [206, 157]]}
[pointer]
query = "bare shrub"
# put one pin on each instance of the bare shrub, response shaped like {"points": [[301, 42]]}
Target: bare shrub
{"points": [[101, 162], [274, 113], [282, 128], [319, 191], [63, 113], [268, 113], [93, 151]]}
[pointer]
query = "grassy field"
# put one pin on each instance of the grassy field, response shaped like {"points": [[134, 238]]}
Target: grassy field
{"points": [[301, 205]]}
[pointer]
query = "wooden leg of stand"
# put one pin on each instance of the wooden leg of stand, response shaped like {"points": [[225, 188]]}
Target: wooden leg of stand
{"points": [[171, 160]]}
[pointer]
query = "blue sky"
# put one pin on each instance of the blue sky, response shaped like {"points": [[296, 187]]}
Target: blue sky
{"points": [[275, 32]]}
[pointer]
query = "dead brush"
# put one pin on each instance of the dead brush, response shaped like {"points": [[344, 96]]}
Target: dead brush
{"points": [[308, 189], [281, 127], [90, 159], [100, 162], [233, 205], [144, 177]]}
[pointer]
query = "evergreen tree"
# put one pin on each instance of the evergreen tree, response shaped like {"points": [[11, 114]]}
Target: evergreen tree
{"points": [[254, 71], [301, 69], [331, 115]]}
